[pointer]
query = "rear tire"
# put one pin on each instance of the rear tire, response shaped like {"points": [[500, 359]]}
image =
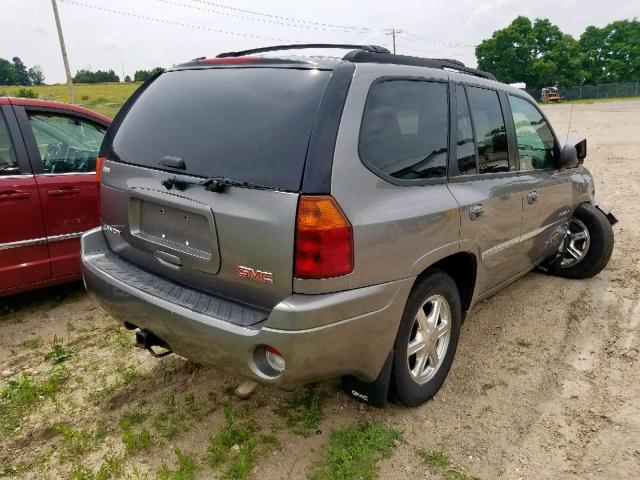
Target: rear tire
{"points": [[427, 339], [590, 244]]}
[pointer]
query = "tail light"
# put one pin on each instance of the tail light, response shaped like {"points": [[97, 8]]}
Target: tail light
{"points": [[324, 239], [99, 163]]}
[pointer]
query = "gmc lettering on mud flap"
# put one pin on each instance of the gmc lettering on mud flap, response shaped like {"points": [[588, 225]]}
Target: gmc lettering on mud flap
{"points": [[257, 275]]}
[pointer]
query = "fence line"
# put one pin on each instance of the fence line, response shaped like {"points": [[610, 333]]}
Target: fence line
{"points": [[606, 90]]}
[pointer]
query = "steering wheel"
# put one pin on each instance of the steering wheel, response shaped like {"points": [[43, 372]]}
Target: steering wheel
{"points": [[54, 152]]}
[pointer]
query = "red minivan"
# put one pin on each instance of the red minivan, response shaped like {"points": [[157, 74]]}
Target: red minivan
{"points": [[48, 190]]}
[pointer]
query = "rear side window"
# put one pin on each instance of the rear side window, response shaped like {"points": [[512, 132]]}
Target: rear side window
{"points": [[246, 124], [404, 131], [466, 147], [491, 134]]}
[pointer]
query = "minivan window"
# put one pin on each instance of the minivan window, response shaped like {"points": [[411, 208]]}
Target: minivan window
{"points": [[466, 147], [8, 161], [491, 134], [536, 143], [245, 124], [404, 131]]}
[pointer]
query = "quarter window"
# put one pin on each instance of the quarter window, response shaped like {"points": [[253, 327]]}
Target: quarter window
{"points": [[8, 160], [536, 143], [466, 147], [490, 131], [66, 144], [404, 131]]}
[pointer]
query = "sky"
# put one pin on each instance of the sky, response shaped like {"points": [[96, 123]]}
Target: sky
{"points": [[141, 34]]}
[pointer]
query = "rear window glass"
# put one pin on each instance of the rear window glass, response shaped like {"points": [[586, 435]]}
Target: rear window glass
{"points": [[246, 124], [405, 129]]}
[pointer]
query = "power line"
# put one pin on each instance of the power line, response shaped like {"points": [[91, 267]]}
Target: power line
{"points": [[176, 23], [422, 39], [254, 19], [288, 19]]}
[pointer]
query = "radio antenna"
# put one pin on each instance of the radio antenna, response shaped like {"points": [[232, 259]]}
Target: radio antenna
{"points": [[566, 140]]}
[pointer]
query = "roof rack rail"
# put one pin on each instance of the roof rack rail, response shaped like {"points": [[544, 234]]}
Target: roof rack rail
{"points": [[360, 56], [302, 46]]}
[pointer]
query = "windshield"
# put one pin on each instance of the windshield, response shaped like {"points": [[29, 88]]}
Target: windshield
{"points": [[246, 124]]}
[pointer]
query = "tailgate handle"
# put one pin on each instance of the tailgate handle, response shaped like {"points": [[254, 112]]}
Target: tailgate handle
{"points": [[168, 259]]}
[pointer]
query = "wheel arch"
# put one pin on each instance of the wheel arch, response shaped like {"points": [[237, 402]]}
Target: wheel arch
{"points": [[462, 267]]}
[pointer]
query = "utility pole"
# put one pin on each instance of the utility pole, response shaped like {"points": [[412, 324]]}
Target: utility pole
{"points": [[393, 34], [72, 90]]}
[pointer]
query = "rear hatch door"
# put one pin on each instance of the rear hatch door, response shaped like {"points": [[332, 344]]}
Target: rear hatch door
{"points": [[190, 130]]}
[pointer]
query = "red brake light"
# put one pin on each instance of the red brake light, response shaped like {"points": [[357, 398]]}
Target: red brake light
{"points": [[229, 60], [324, 239], [99, 163]]}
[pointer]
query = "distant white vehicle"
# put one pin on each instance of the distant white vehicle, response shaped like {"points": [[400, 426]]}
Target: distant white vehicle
{"points": [[520, 85]]}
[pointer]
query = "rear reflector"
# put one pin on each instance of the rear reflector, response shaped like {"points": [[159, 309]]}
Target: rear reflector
{"points": [[275, 359], [324, 239], [99, 164], [229, 60]]}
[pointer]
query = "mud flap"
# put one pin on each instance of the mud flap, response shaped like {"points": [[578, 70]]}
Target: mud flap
{"points": [[610, 216], [374, 393]]}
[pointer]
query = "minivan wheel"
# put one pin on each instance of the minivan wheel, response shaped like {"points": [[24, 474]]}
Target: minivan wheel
{"points": [[427, 339], [588, 245]]}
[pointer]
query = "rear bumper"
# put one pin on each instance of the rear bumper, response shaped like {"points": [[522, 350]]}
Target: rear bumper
{"points": [[320, 336]]}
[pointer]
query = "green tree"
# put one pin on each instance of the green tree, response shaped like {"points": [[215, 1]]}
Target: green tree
{"points": [[36, 75], [611, 53], [22, 76], [127, 79], [537, 53], [99, 76], [7, 73], [144, 75]]}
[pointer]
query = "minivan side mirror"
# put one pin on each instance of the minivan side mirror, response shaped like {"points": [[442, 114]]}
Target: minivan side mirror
{"points": [[568, 157]]}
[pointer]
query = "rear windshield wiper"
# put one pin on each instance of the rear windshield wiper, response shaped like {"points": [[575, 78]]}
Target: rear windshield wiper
{"points": [[218, 184], [212, 184]]}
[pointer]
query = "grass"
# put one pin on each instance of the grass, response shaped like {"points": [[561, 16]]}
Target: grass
{"points": [[185, 468], [355, 451], [32, 343], [589, 101], [134, 439], [439, 464], [236, 446], [76, 443], [523, 343], [104, 98], [59, 352], [19, 397], [303, 411]]}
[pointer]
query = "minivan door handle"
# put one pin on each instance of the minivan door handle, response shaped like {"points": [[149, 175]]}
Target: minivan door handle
{"points": [[14, 195], [476, 211], [64, 191], [532, 197]]}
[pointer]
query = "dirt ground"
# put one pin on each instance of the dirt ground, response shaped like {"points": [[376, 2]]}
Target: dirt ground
{"points": [[545, 384]]}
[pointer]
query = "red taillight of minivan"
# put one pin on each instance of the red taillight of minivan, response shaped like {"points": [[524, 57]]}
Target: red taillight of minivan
{"points": [[99, 164], [324, 239]]}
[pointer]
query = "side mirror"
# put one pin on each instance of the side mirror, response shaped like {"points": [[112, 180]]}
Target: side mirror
{"points": [[581, 149], [569, 157]]}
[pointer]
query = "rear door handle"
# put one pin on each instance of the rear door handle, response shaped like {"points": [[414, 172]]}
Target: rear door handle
{"points": [[64, 191], [532, 197], [14, 195], [476, 211]]}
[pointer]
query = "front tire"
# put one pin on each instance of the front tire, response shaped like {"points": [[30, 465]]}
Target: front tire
{"points": [[427, 339], [588, 245]]}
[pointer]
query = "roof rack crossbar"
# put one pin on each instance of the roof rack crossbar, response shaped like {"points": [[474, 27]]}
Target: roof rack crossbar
{"points": [[301, 46]]}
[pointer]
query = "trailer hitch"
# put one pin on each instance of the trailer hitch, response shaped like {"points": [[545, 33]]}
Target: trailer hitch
{"points": [[147, 340]]}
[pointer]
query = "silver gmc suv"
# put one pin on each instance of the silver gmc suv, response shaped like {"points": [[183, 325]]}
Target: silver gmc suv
{"points": [[293, 219]]}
